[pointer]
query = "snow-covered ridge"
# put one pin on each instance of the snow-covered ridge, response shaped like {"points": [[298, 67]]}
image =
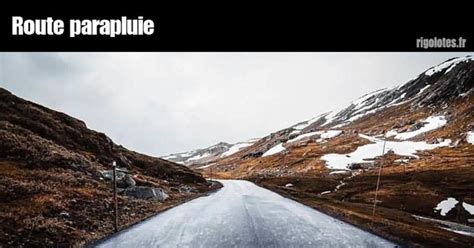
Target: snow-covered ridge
{"points": [[360, 101], [384, 98], [450, 64], [302, 125], [209, 154]]}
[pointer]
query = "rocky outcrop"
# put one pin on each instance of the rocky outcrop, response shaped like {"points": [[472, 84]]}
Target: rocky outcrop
{"points": [[147, 193], [124, 179]]}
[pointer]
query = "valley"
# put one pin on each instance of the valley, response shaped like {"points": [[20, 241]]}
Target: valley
{"points": [[393, 168]]}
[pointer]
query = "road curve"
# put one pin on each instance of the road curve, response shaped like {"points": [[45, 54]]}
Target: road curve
{"points": [[242, 214]]}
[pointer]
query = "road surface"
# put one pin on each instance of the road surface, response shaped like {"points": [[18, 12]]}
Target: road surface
{"points": [[242, 214]]}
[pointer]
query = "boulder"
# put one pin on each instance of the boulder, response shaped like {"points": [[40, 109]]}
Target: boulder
{"points": [[292, 136], [252, 155], [147, 193], [357, 166], [416, 126], [108, 174], [124, 180], [187, 189]]}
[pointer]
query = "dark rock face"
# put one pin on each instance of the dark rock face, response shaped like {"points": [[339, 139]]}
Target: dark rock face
{"points": [[253, 155], [459, 80], [147, 193]]}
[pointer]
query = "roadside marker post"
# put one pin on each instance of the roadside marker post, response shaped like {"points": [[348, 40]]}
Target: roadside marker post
{"points": [[378, 183], [210, 176], [114, 165]]}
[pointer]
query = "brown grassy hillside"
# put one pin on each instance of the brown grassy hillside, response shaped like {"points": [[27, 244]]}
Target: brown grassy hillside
{"points": [[51, 188]]}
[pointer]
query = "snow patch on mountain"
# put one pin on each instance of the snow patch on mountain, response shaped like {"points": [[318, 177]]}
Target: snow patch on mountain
{"points": [[274, 150], [328, 134], [237, 147], [391, 133], [468, 207], [198, 157], [295, 132], [361, 100], [446, 205], [430, 123], [329, 117], [423, 89], [470, 137], [360, 115], [206, 166], [363, 154], [303, 136], [302, 125], [169, 157], [339, 172]]}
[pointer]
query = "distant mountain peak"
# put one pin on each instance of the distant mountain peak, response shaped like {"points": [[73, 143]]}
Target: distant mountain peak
{"points": [[209, 154]]}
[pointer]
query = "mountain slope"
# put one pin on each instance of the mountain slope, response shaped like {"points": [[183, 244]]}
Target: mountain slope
{"points": [[408, 107], [54, 175], [331, 161]]}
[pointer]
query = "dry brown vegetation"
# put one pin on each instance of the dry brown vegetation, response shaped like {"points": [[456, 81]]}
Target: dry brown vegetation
{"points": [[63, 208]]}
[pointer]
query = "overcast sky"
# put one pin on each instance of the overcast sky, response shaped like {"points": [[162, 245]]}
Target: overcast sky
{"points": [[161, 103]]}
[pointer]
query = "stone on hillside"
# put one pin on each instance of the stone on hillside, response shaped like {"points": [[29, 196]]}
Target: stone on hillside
{"points": [[147, 193], [187, 189], [124, 180]]}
